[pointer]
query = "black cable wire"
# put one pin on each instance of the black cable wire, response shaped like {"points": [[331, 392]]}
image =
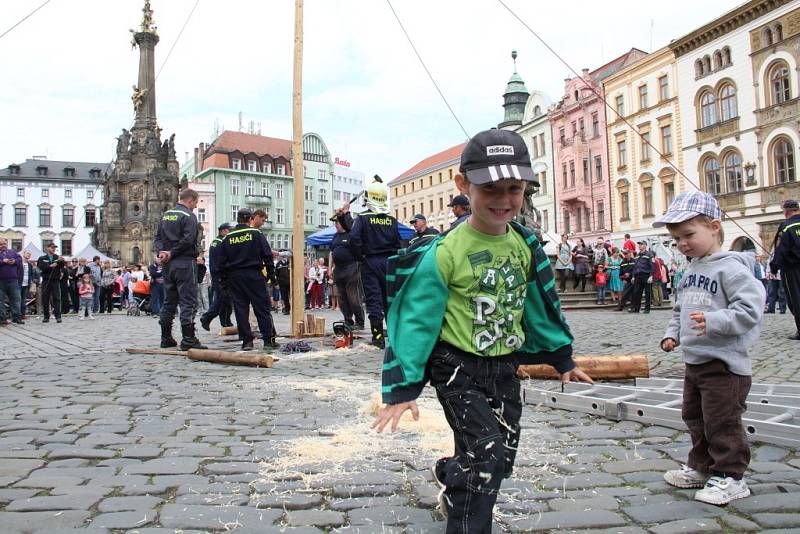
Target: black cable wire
{"points": [[422, 62], [26, 17], [631, 126], [169, 53]]}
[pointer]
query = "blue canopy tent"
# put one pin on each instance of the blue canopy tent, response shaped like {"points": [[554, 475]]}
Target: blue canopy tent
{"points": [[325, 236]]}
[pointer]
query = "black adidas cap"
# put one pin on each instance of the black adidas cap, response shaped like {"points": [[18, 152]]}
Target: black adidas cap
{"points": [[494, 155]]}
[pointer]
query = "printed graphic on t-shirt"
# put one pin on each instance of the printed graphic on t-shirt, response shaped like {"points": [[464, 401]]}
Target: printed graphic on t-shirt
{"points": [[697, 291]]}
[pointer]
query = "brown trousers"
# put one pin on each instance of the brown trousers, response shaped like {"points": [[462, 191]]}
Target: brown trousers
{"points": [[713, 404]]}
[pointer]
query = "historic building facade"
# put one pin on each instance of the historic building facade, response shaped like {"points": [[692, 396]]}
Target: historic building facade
{"points": [[578, 125], [144, 180], [738, 97], [645, 156], [317, 184], [427, 188], [347, 184], [43, 201]]}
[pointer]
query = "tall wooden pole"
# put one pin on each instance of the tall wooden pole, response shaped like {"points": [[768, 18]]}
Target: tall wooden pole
{"points": [[298, 237]]}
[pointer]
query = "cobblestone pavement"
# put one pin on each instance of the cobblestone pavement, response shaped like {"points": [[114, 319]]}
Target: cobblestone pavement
{"points": [[93, 438]]}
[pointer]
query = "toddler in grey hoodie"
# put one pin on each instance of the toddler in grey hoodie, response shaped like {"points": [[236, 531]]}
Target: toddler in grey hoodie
{"points": [[716, 318]]}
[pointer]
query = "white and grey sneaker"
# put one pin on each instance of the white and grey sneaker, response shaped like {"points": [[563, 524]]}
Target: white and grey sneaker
{"points": [[686, 477], [719, 490], [441, 497]]}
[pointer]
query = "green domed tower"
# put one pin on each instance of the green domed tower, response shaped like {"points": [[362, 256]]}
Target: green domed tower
{"points": [[514, 98]]}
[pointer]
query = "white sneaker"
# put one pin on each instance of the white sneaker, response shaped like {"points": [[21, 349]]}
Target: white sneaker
{"points": [[686, 477], [441, 497], [80, 317], [91, 317], [721, 490]]}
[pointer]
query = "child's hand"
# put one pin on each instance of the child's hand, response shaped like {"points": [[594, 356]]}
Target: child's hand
{"points": [[668, 344], [700, 319], [393, 413], [576, 375]]}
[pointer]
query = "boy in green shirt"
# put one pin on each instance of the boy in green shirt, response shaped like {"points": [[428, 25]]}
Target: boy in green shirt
{"points": [[466, 308]]}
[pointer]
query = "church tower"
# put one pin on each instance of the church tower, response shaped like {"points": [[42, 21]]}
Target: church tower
{"points": [[514, 99], [144, 181]]}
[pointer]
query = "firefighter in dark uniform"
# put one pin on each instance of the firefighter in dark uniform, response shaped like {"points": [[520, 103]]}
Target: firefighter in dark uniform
{"points": [[221, 298], [375, 237], [420, 224], [787, 259], [344, 269], [177, 247], [243, 253]]}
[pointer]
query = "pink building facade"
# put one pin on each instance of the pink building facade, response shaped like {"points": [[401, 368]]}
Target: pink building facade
{"points": [[580, 153]]}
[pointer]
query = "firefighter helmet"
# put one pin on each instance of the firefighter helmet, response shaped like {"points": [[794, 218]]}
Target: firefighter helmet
{"points": [[378, 197]]}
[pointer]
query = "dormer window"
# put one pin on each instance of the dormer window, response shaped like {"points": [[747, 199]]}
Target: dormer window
{"points": [[41, 170], [94, 173], [69, 172], [13, 170]]}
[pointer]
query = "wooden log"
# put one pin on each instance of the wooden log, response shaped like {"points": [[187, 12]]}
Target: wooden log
{"points": [[229, 331], [220, 356], [171, 352], [319, 326], [309, 323], [301, 328], [612, 367]]}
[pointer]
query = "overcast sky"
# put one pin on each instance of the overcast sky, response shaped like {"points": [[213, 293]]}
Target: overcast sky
{"points": [[67, 71]]}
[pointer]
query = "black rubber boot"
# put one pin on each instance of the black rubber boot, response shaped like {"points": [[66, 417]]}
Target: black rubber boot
{"points": [[189, 340], [167, 340], [378, 338]]}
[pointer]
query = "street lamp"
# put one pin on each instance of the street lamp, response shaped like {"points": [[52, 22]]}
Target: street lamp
{"points": [[750, 172]]}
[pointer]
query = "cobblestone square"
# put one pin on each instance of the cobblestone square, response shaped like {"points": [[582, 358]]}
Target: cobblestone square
{"points": [[95, 439]]}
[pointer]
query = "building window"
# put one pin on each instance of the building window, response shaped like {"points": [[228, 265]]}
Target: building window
{"points": [[622, 153], [234, 211], [598, 169], [91, 220], [621, 106], [587, 213], [572, 173], [236, 164], [279, 216], [783, 158], [717, 60], [586, 171], [45, 193], [711, 173], [68, 216], [707, 63], [578, 221], [67, 193], [235, 187], [252, 165], [44, 217], [581, 128], [281, 169], [727, 98], [41, 171], [201, 215], [642, 97], [778, 32], [733, 172], [646, 146], [16, 244], [666, 139], [647, 200], [708, 109], [321, 174], [542, 147], [267, 166], [20, 192], [309, 217], [323, 218], [768, 37], [564, 173], [13, 170], [663, 88], [562, 136], [21, 216], [546, 220], [250, 186], [595, 124], [624, 206], [308, 192], [574, 128], [726, 56], [698, 69], [601, 215], [278, 190], [66, 247], [431, 206], [323, 196], [89, 194], [264, 189], [779, 83], [669, 193], [543, 183], [567, 228]]}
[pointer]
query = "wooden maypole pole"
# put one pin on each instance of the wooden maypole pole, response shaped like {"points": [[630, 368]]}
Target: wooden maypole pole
{"points": [[298, 237]]}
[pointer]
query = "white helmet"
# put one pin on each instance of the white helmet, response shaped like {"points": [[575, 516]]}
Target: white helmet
{"points": [[378, 196]]}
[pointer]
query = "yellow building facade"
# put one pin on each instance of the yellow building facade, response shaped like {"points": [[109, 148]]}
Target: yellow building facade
{"points": [[643, 177], [427, 188]]}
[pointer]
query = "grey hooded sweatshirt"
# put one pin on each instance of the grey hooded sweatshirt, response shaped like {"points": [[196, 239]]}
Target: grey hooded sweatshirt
{"points": [[723, 287]]}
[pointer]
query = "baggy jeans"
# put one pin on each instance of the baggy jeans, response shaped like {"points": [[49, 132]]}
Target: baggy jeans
{"points": [[482, 404]]}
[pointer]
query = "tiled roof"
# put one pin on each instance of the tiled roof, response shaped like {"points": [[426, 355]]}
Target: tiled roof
{"points": [[246, 143], [616, 64], [432, 162], [55, 169]]}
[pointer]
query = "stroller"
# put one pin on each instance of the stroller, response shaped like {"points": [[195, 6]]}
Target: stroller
{"points": [[141, 299]]}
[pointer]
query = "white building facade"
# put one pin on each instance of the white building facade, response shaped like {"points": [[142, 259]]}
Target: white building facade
{"points": [[44, 201], [738, 93], [347, 184]]}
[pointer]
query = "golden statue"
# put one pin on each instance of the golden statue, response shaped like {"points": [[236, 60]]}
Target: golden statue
{"points": [[147, 18], [138, 97]]}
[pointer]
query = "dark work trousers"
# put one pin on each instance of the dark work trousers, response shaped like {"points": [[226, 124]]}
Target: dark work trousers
{"points": [[373, 278], [563, 274], [627, 291], [107, 302], [156, 298], [180, 288], [713, 404], [10, 289], [482, 404], [347, 282], [248, 289], [69, 299], [640, 286], [776, 295], [286, 298], [791, 284], [51, 296], [220, 305]]}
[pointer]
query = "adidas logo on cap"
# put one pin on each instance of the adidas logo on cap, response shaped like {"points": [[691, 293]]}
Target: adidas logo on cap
{"points": [[500, 150]]}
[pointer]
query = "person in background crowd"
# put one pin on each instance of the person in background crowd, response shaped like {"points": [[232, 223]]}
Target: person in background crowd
{"points": [[74, 274], [629, 244], [69, 300], [97, 279], [676, 273], [30, 276], [564, 263], [420, 224], [51, 266], [460, 208], [86, 293], [283, 274], [600, 282], [658, 289], [10, 275], [156, 286], [316, 274], [787, 260], [581, 257], [200, 276], [137, 274], [626, 275], [599, 253], [760, 269], [642, 279], [221, 305], [126, 278], [614, 281], [107, 288]]}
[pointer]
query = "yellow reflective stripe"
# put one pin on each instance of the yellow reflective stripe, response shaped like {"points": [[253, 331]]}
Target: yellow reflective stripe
{"points": [[791, 226], [240, 230], [176, 211]]}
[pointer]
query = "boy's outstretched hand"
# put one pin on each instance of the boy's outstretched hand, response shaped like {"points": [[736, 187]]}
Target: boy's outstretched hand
{"points": [[393, 413], [668, 344], [576, 375]]}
